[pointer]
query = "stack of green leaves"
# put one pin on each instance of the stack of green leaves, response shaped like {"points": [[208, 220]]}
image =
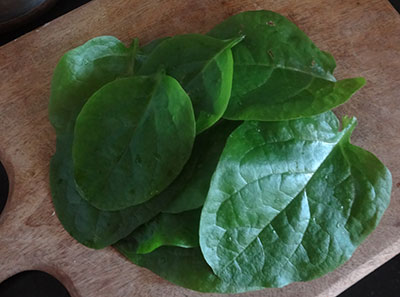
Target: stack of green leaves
{"points": [[213, 160]]}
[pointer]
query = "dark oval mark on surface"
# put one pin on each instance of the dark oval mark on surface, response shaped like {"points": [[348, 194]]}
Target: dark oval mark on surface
{"points": [[15, 13], [4, 187], [33, 283]]}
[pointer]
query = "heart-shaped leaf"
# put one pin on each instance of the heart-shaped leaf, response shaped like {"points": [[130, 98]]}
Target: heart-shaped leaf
{"points": [[290, 201]]}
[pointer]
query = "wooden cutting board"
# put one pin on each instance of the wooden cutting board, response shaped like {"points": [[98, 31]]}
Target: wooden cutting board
{"points": [[362, 35]]}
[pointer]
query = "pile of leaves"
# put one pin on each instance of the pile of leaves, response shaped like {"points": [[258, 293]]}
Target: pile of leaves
{"points": [[213, 160]]}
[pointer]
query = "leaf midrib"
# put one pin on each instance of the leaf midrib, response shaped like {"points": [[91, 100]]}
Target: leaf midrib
{"points": [[145, 113], [343, 136]]}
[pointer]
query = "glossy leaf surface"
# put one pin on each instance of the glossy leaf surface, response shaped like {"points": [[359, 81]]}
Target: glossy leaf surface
{"points": [[81, 72], [132, 138], [181, 230], [290, 201], [88, 225], [203, 66], [279, 74]]}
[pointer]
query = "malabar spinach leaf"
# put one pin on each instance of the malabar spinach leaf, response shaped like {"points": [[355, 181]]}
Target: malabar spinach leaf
{"points": [[81, 72], [279, 74], [132, 138], [88, 225], [189, 189], [203, 66], [181, 230], [290, 201]]}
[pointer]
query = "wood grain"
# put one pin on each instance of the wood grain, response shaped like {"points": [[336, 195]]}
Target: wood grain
{"points": [[364, 38]]}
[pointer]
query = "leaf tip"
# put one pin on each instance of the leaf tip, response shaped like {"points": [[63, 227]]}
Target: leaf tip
{"points": [[361, 81], [348, 123], [357, 83]]}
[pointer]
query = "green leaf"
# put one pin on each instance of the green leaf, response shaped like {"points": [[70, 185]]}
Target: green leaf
{"points": [[189, 189], [203, 66], [88, 225], [181, 230], [179, 222], [132, 139], [185, 267], [81, 72], [279, 74], [290, 201]]}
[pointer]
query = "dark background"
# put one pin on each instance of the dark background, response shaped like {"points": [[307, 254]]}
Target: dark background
{"points": [[383, 282]]}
